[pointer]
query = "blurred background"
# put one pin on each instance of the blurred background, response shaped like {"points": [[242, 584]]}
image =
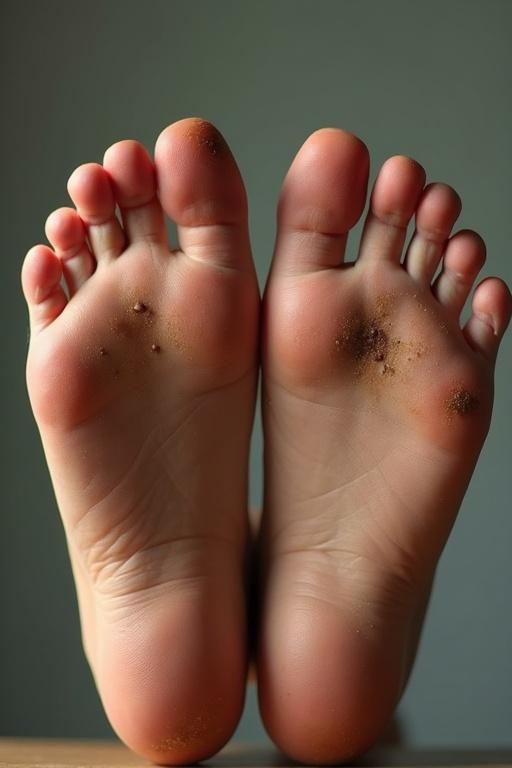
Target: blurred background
{"points": [[429, 80]]}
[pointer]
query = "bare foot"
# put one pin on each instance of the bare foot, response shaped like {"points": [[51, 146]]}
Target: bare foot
{"points": [[143, 384], [376, 405]]}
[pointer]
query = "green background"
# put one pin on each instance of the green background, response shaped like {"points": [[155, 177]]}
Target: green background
{"points": [[431, 80]]}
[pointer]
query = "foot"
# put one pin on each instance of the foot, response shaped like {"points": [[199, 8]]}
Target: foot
{"points": [[376, 405], [142, 381]]}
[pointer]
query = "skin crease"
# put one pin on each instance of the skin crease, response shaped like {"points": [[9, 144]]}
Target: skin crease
{"points": [[155, 518], [373, 396], [142, 378]]}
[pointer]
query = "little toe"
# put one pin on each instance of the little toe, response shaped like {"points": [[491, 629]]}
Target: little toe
{"points": [[40, 278], [395, 195], [492, 308], [201, 190], [66, 232], [133, 179], [90, 189], [463, 260], [322, 197], [437, 212]]}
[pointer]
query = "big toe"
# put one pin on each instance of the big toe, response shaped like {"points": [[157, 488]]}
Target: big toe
{"points": [[202, 191], [322, 197]]}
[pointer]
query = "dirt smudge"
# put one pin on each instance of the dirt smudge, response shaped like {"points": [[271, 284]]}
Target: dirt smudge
{"points": [[461, 402], [366, 339], [183, 737], [176, 335], [363, 340], [370, 341], [209, 137], [144, 311]]}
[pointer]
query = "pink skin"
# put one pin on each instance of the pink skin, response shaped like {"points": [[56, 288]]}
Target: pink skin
{"points": [[344, 585], [145, 419], [347, 561]]}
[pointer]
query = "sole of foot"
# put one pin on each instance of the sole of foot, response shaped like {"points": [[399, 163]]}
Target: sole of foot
{"points": [[376, 403], [142, 374]]}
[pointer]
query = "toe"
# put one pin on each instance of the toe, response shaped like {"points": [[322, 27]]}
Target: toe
{"points": [[40, 278], [492, 307], [437, 212], [201, 190], [395, 195], [132, 175], [322, 197], [66, 232], [463, 260], [90, 189]]}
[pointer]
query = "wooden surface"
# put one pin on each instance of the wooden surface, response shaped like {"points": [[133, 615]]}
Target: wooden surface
{"points": [[82, 754]]}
